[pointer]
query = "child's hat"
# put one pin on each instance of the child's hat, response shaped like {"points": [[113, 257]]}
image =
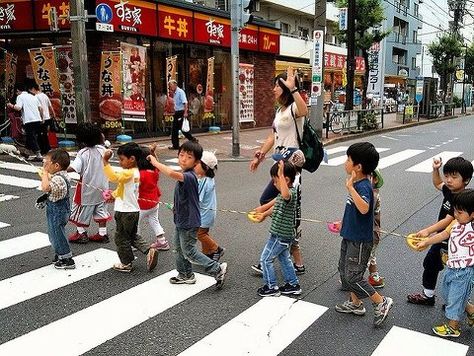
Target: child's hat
{"points": [[377, 175], [291, 154], [209, 159]]}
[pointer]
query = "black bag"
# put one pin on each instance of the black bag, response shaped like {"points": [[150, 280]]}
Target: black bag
{"points": [[310, 144], [54, 126]]}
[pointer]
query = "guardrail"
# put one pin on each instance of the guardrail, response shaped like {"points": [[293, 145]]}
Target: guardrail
{"points": [[351, 121], [440, 109]]}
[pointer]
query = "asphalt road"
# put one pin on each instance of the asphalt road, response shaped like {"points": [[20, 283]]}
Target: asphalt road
{"points": [[409, 202]]}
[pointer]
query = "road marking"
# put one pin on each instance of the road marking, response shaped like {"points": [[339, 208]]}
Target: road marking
{"points": [[22, 244], [400, 341], [6, 197], [101, 322], [264, 329], [397, 158], [19, 182], [337, 161], [46, 279], [331, 151], [2, 225], [427, 165], [390, 138]]}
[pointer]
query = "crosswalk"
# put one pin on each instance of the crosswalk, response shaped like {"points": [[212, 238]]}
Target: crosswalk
{"points": [[268, 326], [388, 159]]}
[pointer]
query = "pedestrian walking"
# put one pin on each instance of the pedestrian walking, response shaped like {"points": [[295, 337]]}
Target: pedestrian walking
{"points": [[47, 110], [375, 279], [288, 121], [31, 115], [187, 217], [180, 113], [356, 230]]}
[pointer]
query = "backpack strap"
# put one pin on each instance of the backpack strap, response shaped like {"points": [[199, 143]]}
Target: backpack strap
{"points": [[296, 125]]}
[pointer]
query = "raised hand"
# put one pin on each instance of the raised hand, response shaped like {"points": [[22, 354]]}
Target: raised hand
{"points": [[290, 81], [437, 163]]}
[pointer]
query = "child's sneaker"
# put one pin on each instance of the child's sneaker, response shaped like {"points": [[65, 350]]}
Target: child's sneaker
{"points": [[446, 331], [470, 319], [182, 279], [161, 245], [99, 238], [381, 310], [220, 277], [290, 289], [151, 259], [299, 269], [122, 267], [421, 299], [67, 263], [376, 281], [216, 255], [266, 291], [78, 238], [350, 308], [257, 268]]}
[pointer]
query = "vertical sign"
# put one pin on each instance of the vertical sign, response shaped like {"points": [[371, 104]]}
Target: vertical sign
{"points": [[343, 19], [246, 80], [317, 65], [375, 84], [419, 89], [134, 70], [66, 82], [209, 97], [10, 73], [171, 74], [110, 90]]}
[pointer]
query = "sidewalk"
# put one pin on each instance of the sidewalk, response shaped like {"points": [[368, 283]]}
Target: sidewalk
{"points": [[252, 139]]}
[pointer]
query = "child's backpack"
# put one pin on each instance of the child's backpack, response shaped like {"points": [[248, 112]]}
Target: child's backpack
{"points": [[310, 144]]}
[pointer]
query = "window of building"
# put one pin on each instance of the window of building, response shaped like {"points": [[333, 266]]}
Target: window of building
{"points": [[303, 32], [285, 28], [416, 9], [415, 36], [413, 62]]}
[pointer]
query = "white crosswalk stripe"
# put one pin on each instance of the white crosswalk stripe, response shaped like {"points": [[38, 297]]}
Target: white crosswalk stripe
{"points": [[397, 158], [2, 225], [19, 182], [34, 283], [267, 327], [22, 244], [341, 159], [427, 165], [6, 197], [400, 341]]}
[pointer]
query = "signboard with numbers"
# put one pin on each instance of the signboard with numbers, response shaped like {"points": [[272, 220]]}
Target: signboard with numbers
{"points": [[66, 82], [110, 89], [317, 63]]}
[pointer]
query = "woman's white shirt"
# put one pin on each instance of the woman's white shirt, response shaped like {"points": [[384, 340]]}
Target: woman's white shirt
{"points": [[284, 127]]}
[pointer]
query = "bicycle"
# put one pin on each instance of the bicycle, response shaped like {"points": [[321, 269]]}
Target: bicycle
{"points": [[336, 119]]}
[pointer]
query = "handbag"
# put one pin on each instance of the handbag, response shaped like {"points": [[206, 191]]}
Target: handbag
{"points": [[185, 127], [54, 126], [310, 144]]}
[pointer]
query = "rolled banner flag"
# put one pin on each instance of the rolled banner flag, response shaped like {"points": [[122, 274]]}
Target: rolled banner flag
{"points": [[412, 240]]}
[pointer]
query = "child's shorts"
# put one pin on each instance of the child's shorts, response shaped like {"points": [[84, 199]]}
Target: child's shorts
{"points": [[81, 215]]}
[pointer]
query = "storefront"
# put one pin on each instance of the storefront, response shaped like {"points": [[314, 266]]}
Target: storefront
{"points": [[151, 43]]}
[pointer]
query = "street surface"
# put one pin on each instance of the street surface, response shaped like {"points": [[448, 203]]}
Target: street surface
{"points": [[94, 310]]}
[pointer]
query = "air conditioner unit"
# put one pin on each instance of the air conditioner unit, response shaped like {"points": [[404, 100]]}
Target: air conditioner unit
{"points": [[257, 6]]}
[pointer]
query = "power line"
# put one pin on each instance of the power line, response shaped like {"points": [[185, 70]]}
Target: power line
{"points": [[439, 7], [417, 18]]}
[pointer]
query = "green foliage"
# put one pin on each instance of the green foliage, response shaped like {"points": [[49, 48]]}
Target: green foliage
{"points": [[444, 50], [469, 64], [456, 101], [368, 120]]}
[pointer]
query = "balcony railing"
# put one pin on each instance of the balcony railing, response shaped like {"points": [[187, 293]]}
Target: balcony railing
{"points": [[400, 38], [401, 8]]}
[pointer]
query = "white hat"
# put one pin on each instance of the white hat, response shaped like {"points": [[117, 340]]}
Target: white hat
{"points": [[209, 159]]}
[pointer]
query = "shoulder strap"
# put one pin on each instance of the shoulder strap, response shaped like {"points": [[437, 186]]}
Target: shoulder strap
{"points": [[296, 125]]}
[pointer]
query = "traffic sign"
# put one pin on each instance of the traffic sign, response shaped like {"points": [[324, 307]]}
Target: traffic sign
{"points": [[419, 89], [104, 13], [104, 27]]}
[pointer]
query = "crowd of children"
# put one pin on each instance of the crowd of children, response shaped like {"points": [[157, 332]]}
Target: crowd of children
{"points": [[137, 196]]}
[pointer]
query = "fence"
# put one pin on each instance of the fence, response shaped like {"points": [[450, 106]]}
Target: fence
{"points": [[351, 121]]}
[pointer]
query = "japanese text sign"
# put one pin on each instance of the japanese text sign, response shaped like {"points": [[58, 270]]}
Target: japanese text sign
{"points": [[110, 89], [42, 13], [338, 61], [16, 15], [248, 38], [375, 82], [10, 73], [211, 30], [269, 40], [43, 63], [175, 23]]}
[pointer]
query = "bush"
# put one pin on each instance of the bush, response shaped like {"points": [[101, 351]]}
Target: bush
{"points": [[369, 120], [457, 101]]}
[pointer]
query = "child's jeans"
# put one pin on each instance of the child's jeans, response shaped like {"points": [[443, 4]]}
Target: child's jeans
{"points": [[126, 236], [457, 285], [185, 241], [57, 214], [275, 248], [150, 216]]}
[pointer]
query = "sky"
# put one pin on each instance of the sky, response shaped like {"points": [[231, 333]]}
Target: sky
{"points": [[436, 17]]}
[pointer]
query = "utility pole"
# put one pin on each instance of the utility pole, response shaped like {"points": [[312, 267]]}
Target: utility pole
{"points": [[350, 62], [78, 18], [317, 106], [235, 10]]}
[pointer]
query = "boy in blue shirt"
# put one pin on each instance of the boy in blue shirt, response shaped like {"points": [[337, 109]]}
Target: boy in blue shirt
{"points": [[187, 217], [357, 233]]}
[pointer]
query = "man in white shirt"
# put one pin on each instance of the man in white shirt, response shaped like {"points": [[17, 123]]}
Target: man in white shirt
{"points": [[31, 116], [181, 111], [47, 109]]}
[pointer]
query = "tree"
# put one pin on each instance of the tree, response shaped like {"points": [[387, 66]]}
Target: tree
{"points": [[369, 17], [469, 64], [444, 51]]}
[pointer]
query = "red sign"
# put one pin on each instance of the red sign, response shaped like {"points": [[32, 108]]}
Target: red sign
{"points": [[248, 38], [338, 61], [16, 15], [269, 40], [175, 23], [212, 30], [42, 13], [133, 16]]}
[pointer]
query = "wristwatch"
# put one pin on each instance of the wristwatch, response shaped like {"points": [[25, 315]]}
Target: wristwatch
{"points": [[294, 90]]}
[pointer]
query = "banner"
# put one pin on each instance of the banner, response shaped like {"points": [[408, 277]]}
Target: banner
{"points": [[376, 77], [246, 79], [209, 97], [134, 70], [66, 82], [45, 72], [171, 69], [110, 89], [10, 73]]}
